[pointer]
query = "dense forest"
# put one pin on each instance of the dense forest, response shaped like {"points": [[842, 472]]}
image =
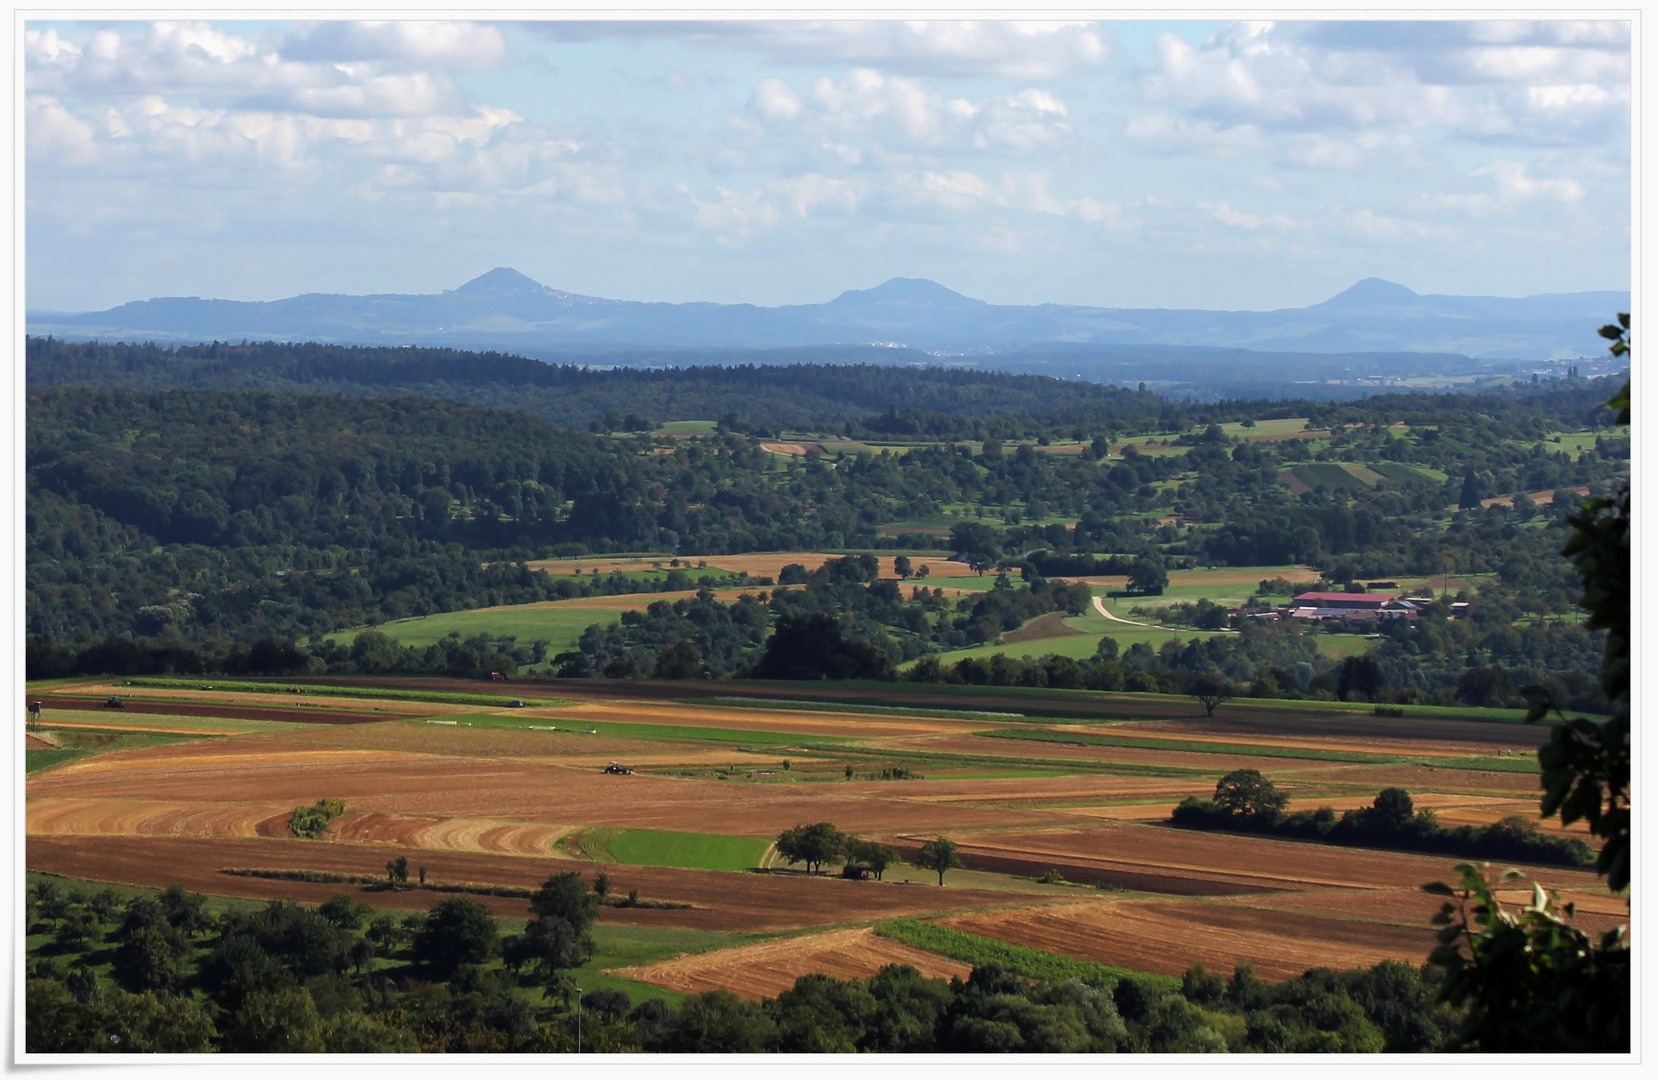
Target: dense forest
{"points": [[346, 978], [205, 521]]}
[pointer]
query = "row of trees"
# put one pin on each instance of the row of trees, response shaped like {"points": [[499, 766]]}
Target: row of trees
{"points": [[822, 844], [1245, 800]]}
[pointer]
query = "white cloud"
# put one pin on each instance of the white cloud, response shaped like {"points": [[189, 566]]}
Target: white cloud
{"points": [[54, 134], [381, 76], [901, 114], [955, 190], [1515, 82], [1513, 185], [1002, 49], [461, 45], [1166, 133], [775, 101]]}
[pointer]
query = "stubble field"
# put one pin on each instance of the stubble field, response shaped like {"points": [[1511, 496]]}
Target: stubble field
{"points": [[501, 798]]}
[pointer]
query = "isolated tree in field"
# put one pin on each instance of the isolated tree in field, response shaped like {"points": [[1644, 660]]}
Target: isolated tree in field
{"points": [[939, 855], [1211, 692], [902, 567], [1148, 576], [813, 845], [1248, 795], [396, 871]]}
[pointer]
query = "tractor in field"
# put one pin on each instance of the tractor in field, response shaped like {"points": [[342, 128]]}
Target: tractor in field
{"points": [[616, 768]]}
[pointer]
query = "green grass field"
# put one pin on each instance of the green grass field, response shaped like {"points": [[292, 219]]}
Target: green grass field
{"points": [[686, 851], [1264, 429], [688, 427], [1340, 646], [560, 624]]}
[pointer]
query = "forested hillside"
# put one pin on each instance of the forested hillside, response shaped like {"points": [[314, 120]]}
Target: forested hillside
{"points": [[218, 516]]}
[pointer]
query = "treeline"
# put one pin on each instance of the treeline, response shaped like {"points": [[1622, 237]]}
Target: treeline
{"points": [[845, 622], [210, 517], [345, 978], [813, 393], [1245, 801], [1419, 663]]}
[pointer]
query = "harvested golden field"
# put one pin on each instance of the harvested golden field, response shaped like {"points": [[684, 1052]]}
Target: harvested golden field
{"points": [[747, 717], [719, 901], [492, 795], [512, 789], [1168, 936], [1185, 861], [768, 968], [135, 817]]}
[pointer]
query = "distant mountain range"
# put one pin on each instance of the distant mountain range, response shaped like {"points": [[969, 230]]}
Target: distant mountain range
{"points": [[504, 309]]}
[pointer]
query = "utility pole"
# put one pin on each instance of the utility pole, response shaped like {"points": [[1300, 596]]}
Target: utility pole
{"points": [[578, 1019]]}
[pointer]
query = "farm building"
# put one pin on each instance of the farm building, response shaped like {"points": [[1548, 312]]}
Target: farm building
{"points": [[1350, 608]]}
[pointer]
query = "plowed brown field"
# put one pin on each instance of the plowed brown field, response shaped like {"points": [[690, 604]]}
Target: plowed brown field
{"points": [[1197, 863], [768, 968], [1597, 910], [1168, 936], [722, 901]]}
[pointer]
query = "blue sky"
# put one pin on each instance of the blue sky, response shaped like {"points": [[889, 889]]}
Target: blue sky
{"points": [[1181, 164]]}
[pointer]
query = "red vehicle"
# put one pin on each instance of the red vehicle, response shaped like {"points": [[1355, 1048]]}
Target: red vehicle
{"points": [[496, 676]]}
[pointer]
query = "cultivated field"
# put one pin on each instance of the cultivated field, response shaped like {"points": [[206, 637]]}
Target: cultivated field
{"points": [[190, 780]]}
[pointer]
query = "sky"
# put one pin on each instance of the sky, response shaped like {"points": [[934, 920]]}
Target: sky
{"points": [[1121, 164]]}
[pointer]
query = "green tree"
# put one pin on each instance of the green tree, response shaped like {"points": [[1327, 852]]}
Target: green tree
{"points": [[280, 1021], [939, 855], [1530, 980], [568, 897], [679, 660], [396, 871], [1246, 794], [1211, 692], [815, 845], [457, 931], [877, 857], [1148, 575], [902, 567]]}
